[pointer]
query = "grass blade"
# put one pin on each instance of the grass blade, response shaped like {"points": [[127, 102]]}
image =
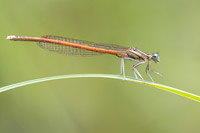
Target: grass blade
{"points": [[160, 86]]}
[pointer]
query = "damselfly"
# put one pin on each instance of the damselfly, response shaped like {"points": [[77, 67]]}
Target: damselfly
{"points": [[76, 47]]}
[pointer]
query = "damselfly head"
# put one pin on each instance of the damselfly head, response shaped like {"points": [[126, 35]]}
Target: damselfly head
{"points": [[155, 57]]}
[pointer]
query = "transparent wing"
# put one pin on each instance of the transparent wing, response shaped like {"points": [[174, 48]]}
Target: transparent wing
{"points": [[63, 49]]}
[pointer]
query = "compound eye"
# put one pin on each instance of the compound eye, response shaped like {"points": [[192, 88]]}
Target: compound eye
{"points": [[155, 57]]}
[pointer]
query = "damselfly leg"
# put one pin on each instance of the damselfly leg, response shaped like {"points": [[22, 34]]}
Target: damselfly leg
{"points": [[135, 70], [147, 71], [156, 72], [122, 67]]}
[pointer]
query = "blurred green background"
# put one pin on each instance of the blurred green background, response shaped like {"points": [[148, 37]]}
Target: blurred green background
{"points": [[96, 105]]}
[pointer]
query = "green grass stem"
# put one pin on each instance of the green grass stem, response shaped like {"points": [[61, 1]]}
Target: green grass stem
{"points": [[160, 86]]}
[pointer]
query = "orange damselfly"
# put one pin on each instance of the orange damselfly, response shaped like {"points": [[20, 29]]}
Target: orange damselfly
{"points": [[76, 47]]}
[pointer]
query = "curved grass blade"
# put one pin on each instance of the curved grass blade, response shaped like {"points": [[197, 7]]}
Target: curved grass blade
{"points": [[160, 86]]}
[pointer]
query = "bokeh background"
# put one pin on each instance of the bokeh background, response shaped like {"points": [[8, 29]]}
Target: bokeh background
{"points": [[97, 105]]}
